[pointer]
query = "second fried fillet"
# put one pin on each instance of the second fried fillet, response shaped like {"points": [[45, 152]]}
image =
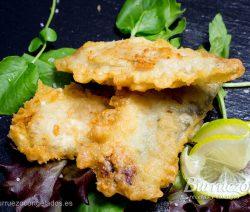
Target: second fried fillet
{"points": [[140, 64], [50, 125], [134, 147]]}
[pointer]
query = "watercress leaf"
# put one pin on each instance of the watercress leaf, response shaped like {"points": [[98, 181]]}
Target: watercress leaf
{"points": [[218, 37], [48, 74], [97, 202], [176, 42], [150, 22], [35, 44], [50, 56], [171, 10], [176, 31], [160, 35], [168, 34], [129, 15], [139, 15], [48, 34], [18, 83], [219, 45], [149, 18], [181, 26]]}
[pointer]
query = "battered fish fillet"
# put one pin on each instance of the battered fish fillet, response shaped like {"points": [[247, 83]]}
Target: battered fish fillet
{"points": [[140, 64], [50, 125], [134, 146]]}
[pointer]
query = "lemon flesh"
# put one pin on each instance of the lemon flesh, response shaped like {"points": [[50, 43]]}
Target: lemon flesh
{"points": [[218, 165]]}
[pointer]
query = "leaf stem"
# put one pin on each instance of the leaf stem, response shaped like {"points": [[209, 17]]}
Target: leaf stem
{"points": [[220, 97], [39, 53], [52, 12], [236, 84]]}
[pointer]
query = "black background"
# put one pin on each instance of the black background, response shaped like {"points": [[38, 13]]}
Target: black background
{"points": [[79, 21]]}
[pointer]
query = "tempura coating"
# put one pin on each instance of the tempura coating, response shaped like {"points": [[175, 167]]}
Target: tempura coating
{"points": [[134, 146], [50, 125], [140, 64]]}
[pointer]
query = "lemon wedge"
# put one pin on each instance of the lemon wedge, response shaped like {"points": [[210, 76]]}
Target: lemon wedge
{"points": [[218, 165]]}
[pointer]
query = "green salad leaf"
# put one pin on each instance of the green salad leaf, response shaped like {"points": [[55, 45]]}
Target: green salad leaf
{"points": [[35, 44], [47, 71], [219, 38], [220, 45], [99, 203], [19, 75], [219, 41], [18, 83], [51, 55], [151, 19], [48, 34]]}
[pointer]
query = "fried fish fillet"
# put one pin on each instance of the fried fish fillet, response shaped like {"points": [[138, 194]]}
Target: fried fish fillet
{"points": [[50, 125], [134, 146], [140, 64]]}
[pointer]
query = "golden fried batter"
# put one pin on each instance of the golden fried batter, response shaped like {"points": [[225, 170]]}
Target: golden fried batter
{"points": [[134, 146], [50, 125], [140, 64]]}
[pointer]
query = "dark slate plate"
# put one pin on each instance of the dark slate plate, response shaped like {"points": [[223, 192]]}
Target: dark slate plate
{"points": [[79, 21]]}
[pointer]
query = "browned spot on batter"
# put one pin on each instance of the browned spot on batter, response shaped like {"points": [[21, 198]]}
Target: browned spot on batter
{"points": [[143, 63], [106, 168], [56, 130], [129, 173]]}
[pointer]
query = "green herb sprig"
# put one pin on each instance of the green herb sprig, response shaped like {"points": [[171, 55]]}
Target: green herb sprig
{"points": [[220, 45], [19, 75], [152, 19], [47, 34]]}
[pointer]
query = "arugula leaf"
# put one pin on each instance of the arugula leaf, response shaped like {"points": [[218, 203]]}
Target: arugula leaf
{"points": [[48, 73], [18, 83], [50, 56], [99, 203], [218, 37], [152, 19]]}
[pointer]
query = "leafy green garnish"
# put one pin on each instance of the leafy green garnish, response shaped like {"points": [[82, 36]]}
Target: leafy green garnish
{"points": [[50, 56], [35, 44], [219, 38], [236, 84], [221, 101], [18, 83], [178, 184], [48, 34], [19, 75], [48, 74], [99, 203], [151, 19], [220, 45]]}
